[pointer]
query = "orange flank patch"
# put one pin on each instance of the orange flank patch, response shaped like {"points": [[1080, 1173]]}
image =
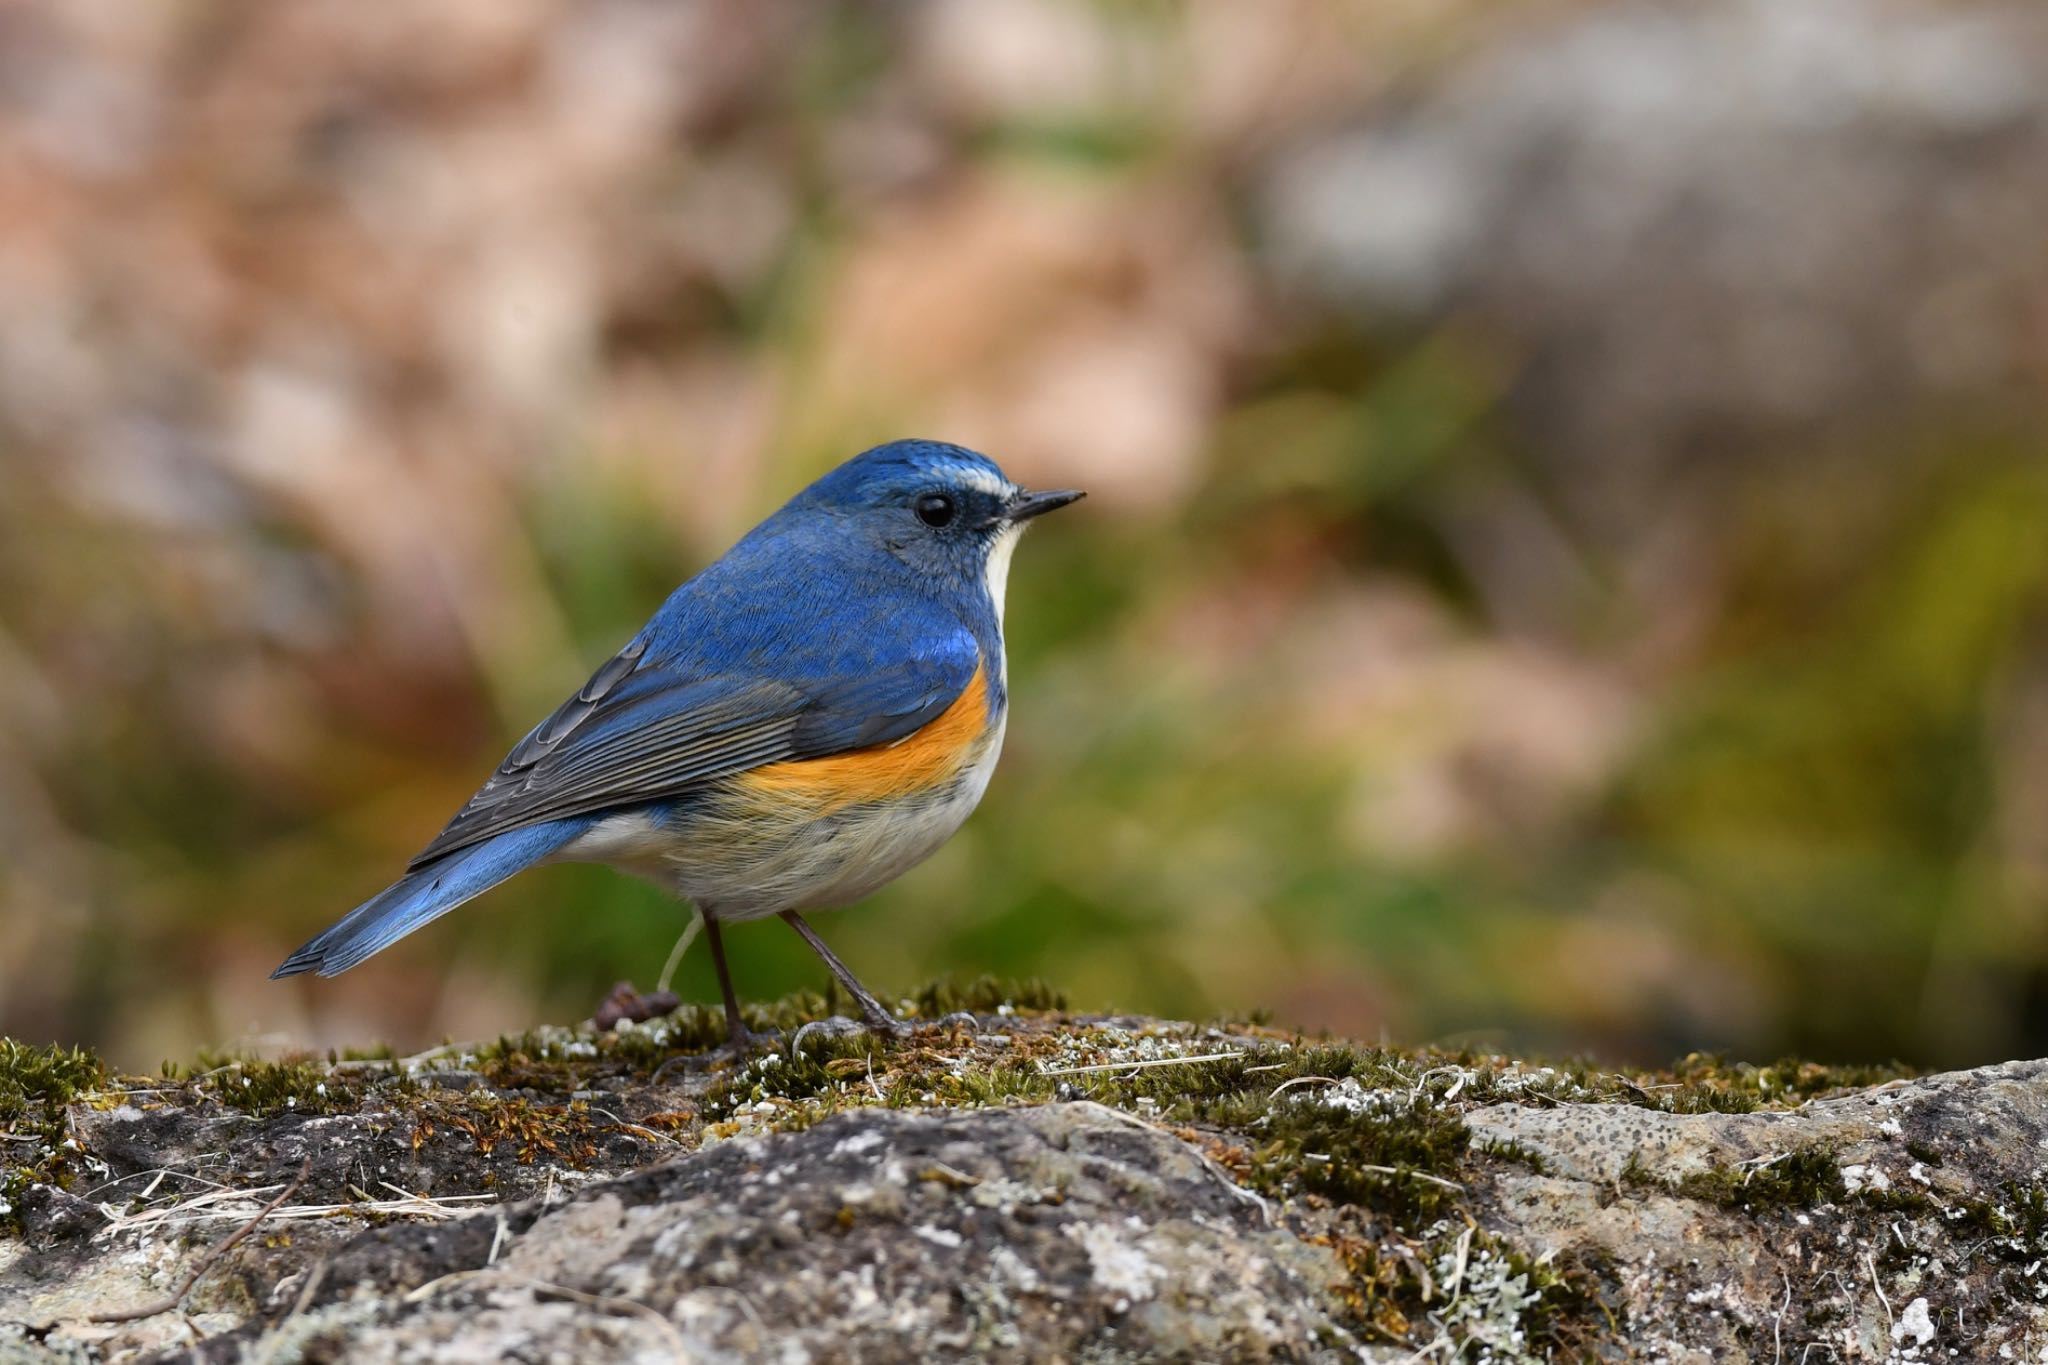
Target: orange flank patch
{"points": [[883, 772]]}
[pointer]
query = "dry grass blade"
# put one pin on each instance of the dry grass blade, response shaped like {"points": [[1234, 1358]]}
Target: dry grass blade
{"points": [[207, 1208], [1140, 1065], [206, 1262], [1407, 1174]]}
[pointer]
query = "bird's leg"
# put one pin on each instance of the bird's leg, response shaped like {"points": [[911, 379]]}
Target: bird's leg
{"points": [[871, 1009], [737, 1034]]}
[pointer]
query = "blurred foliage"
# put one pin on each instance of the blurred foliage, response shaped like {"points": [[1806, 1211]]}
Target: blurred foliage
{"points": [[372, 378]]}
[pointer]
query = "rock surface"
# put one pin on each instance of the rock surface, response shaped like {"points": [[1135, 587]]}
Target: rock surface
{"points": [[1041, 1186]]}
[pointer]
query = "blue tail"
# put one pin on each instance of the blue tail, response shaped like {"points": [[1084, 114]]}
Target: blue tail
{"points": [[425, 895]]}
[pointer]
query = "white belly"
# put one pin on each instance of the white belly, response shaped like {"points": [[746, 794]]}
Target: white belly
{"points": [[742, 862]]}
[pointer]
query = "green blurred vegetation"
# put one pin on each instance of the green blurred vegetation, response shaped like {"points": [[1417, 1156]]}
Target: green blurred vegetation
{"points": [[1286, 734]]}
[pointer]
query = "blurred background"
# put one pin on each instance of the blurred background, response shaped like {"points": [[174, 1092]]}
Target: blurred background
{"points": [[1567, 563]]}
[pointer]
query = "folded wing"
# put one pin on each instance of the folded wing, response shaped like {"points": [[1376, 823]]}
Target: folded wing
{"points": [[645, 729]]}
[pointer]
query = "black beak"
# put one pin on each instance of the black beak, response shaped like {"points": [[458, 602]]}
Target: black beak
{"points": [[1026, 504]]}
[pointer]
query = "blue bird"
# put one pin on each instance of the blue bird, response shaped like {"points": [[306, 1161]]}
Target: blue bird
{"points": [[798, 725]]}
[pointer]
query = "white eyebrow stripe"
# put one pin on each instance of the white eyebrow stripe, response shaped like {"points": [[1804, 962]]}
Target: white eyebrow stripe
{"points": [[975, 477]]}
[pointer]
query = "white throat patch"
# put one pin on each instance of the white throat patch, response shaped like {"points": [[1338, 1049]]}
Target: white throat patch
{"points": [[999, 564]]}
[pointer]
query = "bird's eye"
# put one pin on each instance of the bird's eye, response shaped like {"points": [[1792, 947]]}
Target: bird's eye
{"points": [[935, 509]]}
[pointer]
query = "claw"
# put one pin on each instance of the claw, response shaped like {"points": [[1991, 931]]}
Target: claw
{"points": [[840, 1027], [834, 1027], [960, 1019]]}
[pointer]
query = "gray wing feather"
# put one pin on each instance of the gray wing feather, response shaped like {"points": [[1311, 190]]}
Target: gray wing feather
{"points": [[685, 742]]}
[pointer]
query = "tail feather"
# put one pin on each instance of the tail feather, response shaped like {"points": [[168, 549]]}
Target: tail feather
{"points": [[425, 895]]}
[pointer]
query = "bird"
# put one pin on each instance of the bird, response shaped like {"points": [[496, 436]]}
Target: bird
{"points": [[802, 722]]}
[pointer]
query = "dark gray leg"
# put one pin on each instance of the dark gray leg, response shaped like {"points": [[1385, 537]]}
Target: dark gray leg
{"points": [[871, 1009], [737, 1034]]}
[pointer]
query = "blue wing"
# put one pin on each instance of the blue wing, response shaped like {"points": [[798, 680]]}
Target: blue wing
{"points": [[663, 716]]}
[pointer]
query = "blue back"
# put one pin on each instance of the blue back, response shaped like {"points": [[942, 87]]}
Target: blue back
{"points": [[833, 625]]}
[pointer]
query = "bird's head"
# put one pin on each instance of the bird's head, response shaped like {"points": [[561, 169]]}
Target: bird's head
{"points": [[943, 509]]}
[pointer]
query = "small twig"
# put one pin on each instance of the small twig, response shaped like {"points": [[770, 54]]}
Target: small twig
{"points": [[206, 1262], [422, 1200], [158, 1172], [1302, 1080], [675, 954], [1778, 1324], [1456, 1284], [1412, 1175], [1870, 1262], [635, 1129], [947, 1175], [1441, 1342], [1138, 1066], [1457, 1086]]}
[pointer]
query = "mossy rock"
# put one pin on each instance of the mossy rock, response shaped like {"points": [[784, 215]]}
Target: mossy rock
{"points": [[1031, 1183]]}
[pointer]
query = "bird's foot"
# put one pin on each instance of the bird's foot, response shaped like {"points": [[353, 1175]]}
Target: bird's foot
{"points": [[960, 1019], [624, 1003], [838, 1026]]}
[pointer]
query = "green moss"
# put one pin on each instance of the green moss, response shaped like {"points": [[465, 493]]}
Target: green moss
{"points": [[560, 1060], [1347, 1124], [1709, 1083], [1925, 1152], [2013, 1224], [1376, 1140], [297, 1085], [36, 1083], [1802, 1179], [985, 995], [1502, 1150], [33, 1079], [1370, 1127], [1700, 1083], [822, 1071]]}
